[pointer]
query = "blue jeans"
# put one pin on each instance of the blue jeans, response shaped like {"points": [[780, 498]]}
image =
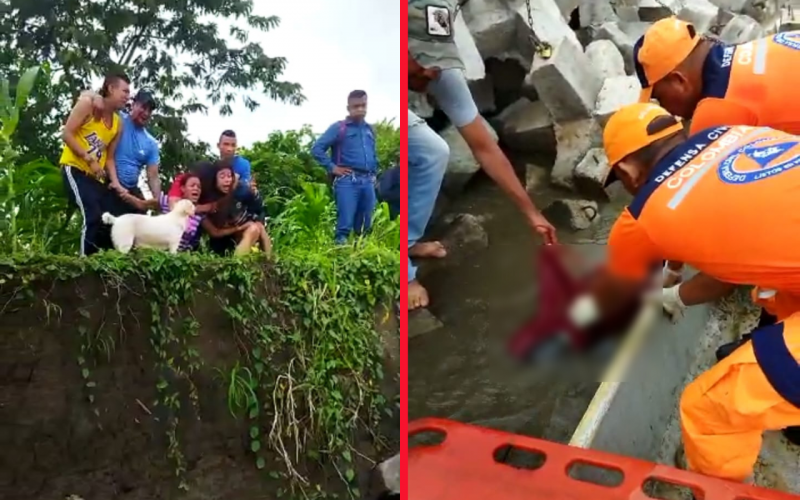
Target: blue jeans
{"points": [[428, 155], [355, 202]]}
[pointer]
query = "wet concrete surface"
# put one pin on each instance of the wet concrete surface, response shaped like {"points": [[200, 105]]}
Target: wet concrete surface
{"points": [[461, 370]]}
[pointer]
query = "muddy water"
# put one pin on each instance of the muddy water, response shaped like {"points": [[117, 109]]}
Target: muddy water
{"points": [[461, 371]]}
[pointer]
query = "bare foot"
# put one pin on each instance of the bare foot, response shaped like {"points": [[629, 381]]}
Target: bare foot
{"points": [[429, 249], [417, 296]]}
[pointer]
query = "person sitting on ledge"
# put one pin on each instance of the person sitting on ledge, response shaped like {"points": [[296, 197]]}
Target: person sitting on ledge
{"points": [[238, 223]]}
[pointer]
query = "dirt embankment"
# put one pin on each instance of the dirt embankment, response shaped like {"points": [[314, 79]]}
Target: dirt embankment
{"points": [[91, 421]]}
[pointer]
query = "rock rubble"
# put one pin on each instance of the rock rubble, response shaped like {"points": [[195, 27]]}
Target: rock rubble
{"points": [[558, 106]]}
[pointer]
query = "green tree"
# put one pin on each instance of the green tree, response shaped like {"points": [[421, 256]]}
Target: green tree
{"points": [[283, 165], [175, 47], [387, 143]]}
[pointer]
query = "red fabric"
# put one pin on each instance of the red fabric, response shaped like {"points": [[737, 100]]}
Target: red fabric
{"points": [[175, 189], [557, 290]]}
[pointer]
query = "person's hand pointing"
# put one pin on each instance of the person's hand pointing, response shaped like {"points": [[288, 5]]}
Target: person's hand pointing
{"points": [[543, 227]]}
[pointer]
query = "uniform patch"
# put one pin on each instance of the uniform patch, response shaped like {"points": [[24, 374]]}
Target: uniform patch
{"points": [[759, 160], [439, 21], [789, 39]]}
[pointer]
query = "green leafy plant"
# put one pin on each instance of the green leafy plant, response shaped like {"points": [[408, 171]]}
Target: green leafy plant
{"points": [[10, 109]]}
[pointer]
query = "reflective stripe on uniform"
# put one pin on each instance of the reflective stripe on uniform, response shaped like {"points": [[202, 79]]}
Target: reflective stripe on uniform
{"points": [[777, 362]]}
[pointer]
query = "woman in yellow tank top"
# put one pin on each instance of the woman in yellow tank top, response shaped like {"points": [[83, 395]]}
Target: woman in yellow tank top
{"points": [[90, 140]]}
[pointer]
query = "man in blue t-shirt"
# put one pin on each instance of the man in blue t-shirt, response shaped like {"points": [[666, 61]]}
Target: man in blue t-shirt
{"points": [[241, 166], [353, 163], [137, 150]]}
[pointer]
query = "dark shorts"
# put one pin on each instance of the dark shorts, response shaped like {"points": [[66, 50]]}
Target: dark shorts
{"points": [[222, 246]]}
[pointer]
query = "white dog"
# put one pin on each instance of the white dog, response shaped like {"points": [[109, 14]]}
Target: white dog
{"points": [[143, 231]]}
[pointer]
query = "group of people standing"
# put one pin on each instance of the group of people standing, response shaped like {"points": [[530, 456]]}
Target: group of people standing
{"points": [[106, 148]]}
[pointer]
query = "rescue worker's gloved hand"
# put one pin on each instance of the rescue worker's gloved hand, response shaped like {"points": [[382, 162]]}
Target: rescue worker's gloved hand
{"points": [[583, 312], [669, 277], [671, 301]]}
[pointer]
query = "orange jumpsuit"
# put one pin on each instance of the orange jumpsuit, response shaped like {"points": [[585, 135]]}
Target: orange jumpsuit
{"points": [[726, 203], [725, 410], [754, 83]]}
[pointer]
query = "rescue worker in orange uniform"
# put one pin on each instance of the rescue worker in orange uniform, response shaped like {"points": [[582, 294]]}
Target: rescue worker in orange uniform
{"points": [[713, 84], [702, 200]]}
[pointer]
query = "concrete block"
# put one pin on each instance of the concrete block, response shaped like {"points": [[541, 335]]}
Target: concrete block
{"points": [[566, 83], [462, 165], [635, 30], [596, 12], [766, 12], [651, 11], [536, 177], [527, 126], [474, 69], [567, 6], [419, 104], [465, 234], [422, 322], [701, 13], [723, 18], [548, 24], [790, 26], [573, 214], [606, 59], [591, 173], [730, 5], [616, 93], [573, 140], [384, 480], [623, 42], [628, 14], [494, 28], [507, 76], [741, 29], [789, 19]]}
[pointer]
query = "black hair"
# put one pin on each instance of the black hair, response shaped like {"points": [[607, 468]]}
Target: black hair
{"points": [[228, 133], [356, 94], [207, 171], [200, 167], [112, 79]]}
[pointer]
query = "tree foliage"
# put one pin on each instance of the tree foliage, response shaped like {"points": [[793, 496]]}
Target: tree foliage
{"points": [[283, 163], [188, 51]]}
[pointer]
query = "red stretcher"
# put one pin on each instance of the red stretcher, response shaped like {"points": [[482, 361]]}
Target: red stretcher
{"points": [[468, 464], [563, 276]]}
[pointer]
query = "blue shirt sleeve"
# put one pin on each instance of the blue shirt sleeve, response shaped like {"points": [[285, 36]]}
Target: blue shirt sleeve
{"points": [[244, 169], [323, 144], [453, 96], [153, 156]]}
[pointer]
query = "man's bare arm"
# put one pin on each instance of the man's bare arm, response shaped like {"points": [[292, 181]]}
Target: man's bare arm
{"points": [[496, 164], [702, 288], [452, 93], [154, 181]]}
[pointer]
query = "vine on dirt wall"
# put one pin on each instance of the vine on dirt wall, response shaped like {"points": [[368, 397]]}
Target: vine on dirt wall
{"points": [[309, 365]]}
